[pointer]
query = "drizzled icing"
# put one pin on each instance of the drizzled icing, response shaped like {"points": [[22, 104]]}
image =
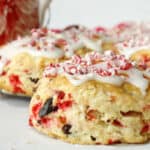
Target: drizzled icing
{"points": [[134, 38], [134, 44], [124, 31], [68, 40], [56, 43], [48, 43], [107, 67]]}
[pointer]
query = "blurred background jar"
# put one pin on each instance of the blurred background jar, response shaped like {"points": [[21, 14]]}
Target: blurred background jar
{"points": [[17, 18]]}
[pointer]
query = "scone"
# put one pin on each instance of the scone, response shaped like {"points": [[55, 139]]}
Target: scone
{"points": [[97, 99], [27, 57]]}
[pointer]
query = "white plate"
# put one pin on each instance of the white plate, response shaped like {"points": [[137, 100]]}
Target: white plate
{"points": [[15, 134]]}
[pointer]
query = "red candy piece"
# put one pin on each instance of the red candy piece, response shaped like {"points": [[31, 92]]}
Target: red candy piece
{"points": [[100, 29], [72, 70], [18, 90], [103, 72], [91, 115], [117, 123], [127, 66], [122, 26], [40, 32], [36, 109], [111, 141], [3, 73], [61, 95], [56, 30], [30, 121], [14, 80], [16, 83], [17, 17], [60, 42], [63, 102], [145, 129], [64, 105], [45, 121]]}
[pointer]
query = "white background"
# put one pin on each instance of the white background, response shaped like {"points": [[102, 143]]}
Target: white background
{"points": [[97, 12], [15, 134]]}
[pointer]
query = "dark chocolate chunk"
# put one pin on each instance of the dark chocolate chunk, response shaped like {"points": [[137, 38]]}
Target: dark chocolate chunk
{"points": [[93, 138], [34, 80], [47, 107], [55, 108], [66, 128], [52, 109]]}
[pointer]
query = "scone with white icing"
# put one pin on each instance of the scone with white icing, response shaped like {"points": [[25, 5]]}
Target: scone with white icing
{"points": [[23, 61], [97, 99]]}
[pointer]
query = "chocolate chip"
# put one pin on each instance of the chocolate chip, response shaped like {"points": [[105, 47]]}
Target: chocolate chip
{"points": [[34, 89], [71, 27], [47, 108], [52, 109], [39, 121], [66, 128], [93, 138], [55, 108], [34, 80]]}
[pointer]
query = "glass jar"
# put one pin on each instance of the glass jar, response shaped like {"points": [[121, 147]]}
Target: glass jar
{"points": [[17, 18]]}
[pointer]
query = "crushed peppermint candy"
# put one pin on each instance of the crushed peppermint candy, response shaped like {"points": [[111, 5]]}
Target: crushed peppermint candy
{"points": [[66, 40], [134, 38], [107, 67], [137, 41], [134, 43], [107, 64], [125, 30]]}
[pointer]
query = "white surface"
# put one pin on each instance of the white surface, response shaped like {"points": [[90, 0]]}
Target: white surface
{"points": [[15, 134]]}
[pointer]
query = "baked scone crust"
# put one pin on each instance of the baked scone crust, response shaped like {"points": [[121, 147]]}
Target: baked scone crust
{"points": [[101, 113]]}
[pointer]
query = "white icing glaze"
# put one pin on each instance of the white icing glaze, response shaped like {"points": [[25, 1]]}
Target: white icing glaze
{"points": [[3, 62], [94, 45], [77, 80], [13, 48], [109, 68], [43, 43], [81, 38], [147, 73], [17, 47], [134, 38], [128, 52], [136, 78]]}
